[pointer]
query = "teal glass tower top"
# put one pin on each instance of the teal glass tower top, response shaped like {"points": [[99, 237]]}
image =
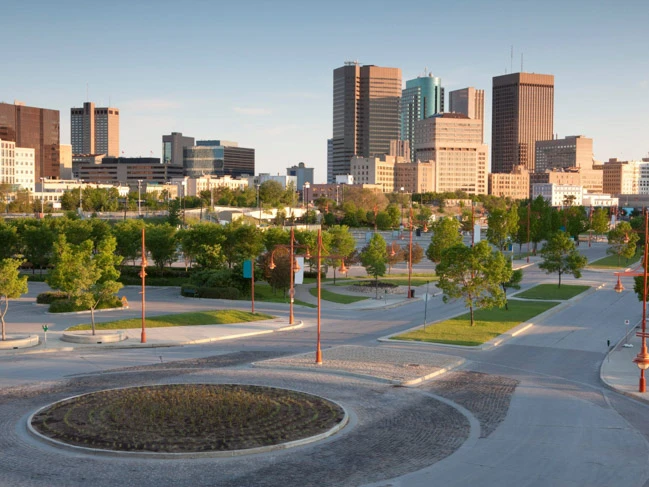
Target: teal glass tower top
{"points": [[422, 98]]}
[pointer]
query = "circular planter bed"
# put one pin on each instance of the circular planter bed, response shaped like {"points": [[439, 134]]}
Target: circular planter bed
{"points": [[188, 418], [14, 342], [101, 336]]}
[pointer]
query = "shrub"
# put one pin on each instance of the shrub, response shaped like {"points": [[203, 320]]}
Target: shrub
{"points": [[211, 292], [50, 296], [66, 306], [314, 274]]}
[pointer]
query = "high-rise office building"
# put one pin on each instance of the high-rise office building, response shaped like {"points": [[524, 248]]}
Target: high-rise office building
{"points": [[422, 98], [172, 148], [95, 130], [569, 152], [365, 113], [470, 102], [522, 113], [34, 128], [237, 161], [453, 142]]}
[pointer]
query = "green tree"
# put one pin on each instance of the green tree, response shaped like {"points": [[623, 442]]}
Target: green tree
{"points": [[12, 286], [271, 193], [202, 238], [560, 256], [128, 234], [174, 218], [374, 258], [383, 220], [622, 241], [503, 223], [10, 241], [72, 271], [575, 220], [340, 242], [274, 236], [241, 242], [104, 276], [513, 283], [161, 243], [445, 234], [38, 238], [599, 221], [474, 274]]}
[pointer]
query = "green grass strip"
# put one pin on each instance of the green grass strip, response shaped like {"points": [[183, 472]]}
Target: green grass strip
{"points": [[336, 298], [217, 317], [489, 323], [611, 261], [265, 293], [552, 292]]}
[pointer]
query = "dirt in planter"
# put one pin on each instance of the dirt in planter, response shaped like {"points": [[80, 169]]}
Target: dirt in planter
{"points": [[183, 418]]}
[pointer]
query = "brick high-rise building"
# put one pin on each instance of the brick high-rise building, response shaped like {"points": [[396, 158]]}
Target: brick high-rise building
{"points": [[95, 130], [34, 128], [454, 142], [522, 113], [470, 102], [365, 113]]}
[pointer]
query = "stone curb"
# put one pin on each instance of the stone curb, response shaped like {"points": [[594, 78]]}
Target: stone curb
{"points": [[83, 312], [102, 336], [183, 456], [19, 342], [346, 373], [612, 386], [166, 344], [500, 339]]}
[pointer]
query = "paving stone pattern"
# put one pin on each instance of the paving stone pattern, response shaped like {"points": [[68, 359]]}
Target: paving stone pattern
{"points": [[394, 431], [486, 396], [393, 365]]}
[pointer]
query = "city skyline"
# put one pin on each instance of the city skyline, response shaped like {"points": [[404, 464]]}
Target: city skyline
{"points": [[262, 74]]}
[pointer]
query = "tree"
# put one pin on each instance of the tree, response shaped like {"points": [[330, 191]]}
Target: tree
{"points": [[417, 253], [128, 234], [271, 193], [446, 234], [199, 239], [341, 242], [161, 242], [503, 223], [374, 258], [12, 286], [599, 221], [513, 283], [560, 256], [622, 241], [104, 275], [474, 274], [396, 254], [575, 220]]}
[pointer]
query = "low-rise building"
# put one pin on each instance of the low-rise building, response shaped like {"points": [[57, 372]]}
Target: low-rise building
{"points": [[515, 185], [302, 173], [599, 200], [558, 194]]}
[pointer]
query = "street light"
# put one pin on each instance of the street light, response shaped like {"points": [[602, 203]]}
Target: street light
{"points": [[642, 359], [143, 276], [343, 269], [293, 267], [42, 195], [259, 203], [139, 197]]}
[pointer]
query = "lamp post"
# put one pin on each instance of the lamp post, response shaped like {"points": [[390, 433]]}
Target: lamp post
{"points": [[143, 276], [410, 256], [259, 203], [642, 359], [291, 249], [318, 350], [139, 197]]}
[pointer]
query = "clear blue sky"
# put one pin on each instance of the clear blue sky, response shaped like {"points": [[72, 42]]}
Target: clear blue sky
{"points": [[260, 72]]}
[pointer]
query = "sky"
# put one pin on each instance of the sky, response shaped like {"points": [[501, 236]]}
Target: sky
{"points": [[261, 72]]}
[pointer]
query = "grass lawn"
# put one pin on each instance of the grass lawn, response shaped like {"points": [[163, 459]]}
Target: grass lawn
{"points": [[551, 291], [611, 261], [334, 297], [218, 317], [489, 323], [263, 292]]}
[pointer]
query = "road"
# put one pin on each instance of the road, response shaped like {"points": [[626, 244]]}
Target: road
{"points": [[559, 425]]}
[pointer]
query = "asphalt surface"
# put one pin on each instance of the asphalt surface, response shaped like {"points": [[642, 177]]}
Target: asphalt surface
{"points": [[533, 411]]}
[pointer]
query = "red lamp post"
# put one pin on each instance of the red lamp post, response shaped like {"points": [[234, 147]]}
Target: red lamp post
{"points": [[642, 359], [293, 267], [143, 276]]}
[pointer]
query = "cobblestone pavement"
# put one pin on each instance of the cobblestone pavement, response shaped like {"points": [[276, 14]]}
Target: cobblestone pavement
{"points": [[486, 396], [394, 430], [392, 365]]}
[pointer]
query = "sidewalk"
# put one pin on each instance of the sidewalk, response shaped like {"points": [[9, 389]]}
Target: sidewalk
{"points": [[618, 370], [172, 336]]}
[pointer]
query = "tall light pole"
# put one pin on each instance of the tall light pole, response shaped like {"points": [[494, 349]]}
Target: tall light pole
{"points": [[258, 203], [139, 197], [143, 276], [410, 257], [642, 359]]}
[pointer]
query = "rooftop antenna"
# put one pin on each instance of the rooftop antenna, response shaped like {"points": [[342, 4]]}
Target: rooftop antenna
{"points": [[521, 62], [511, 59]]}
